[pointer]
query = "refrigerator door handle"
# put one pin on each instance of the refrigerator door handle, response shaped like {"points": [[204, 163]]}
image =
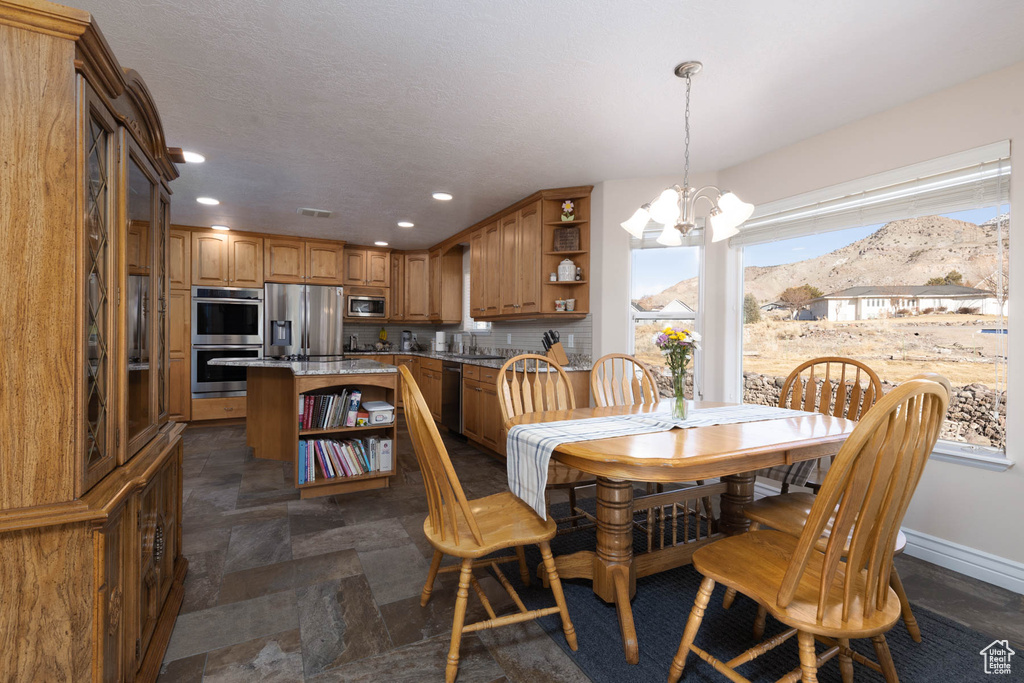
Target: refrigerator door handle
{"points": [[305, 328]]}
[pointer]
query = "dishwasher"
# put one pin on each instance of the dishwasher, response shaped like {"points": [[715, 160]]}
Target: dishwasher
{"points": [[451, 397]]}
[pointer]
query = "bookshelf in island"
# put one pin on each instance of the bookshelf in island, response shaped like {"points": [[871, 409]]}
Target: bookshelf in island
{"points": [[331, 420]]}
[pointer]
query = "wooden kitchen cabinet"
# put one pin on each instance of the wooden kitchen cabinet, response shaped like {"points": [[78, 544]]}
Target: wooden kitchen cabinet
{"points": [[245, 261], [492, 269], [137, 247], [179, 262], [520, 282], [430, 384], [417, 286], [411, 363], [477, 272], [179, 340], [397, 312], [210, 259], [325, 263], [492, 432], [367, 267], [446, 286], [284, 260], [471, 408]]}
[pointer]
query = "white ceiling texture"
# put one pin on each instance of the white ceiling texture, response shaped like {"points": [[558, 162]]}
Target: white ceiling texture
{"points": [[365, 107]]}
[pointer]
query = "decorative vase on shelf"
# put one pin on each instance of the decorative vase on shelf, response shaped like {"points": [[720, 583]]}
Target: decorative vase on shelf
{"points": [[679, 388]]}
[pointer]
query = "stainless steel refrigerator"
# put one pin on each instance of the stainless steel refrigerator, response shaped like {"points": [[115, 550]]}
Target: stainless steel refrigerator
{"points": [[303, 320]]}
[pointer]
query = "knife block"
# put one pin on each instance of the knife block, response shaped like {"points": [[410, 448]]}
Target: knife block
{"points": [[557, 354]]}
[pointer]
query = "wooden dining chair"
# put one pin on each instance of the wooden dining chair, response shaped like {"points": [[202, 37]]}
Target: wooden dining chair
{"points": [[838, 590], [848, 388], [471, 529], [788, 513], [530, 383], [618, 379]]}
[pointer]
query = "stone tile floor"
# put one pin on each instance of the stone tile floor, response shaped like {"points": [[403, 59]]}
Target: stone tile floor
{"points": [[282, 589]]}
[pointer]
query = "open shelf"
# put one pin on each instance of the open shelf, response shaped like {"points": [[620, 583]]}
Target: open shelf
{"points": [[575, 222], [342, 430], [564, 253], [563, 283], [341, 480]]}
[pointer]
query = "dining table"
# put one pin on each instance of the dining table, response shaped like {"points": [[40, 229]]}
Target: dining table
{"points": [[729, 453]]}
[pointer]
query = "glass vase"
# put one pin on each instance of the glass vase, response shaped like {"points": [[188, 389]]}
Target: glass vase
{"points": [[679, 401]]}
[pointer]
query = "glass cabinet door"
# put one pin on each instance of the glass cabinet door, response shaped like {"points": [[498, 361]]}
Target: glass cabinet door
{"points": [[160, 348], [140, 301], [99, 141]]}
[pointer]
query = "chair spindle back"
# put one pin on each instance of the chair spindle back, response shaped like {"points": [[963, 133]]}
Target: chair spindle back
{"points": [[530, 383], [445, 497], [848, 387], [868, 489], [621, 380]]}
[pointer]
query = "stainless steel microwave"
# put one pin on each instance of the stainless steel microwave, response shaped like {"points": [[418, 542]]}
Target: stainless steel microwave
{"points": [[366, 306]]}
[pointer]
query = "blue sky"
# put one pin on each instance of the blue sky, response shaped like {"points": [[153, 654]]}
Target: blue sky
{"points": [[657, 269]]}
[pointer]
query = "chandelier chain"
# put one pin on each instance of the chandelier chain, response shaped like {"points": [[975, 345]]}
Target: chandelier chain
{"points": [[686, 169]]}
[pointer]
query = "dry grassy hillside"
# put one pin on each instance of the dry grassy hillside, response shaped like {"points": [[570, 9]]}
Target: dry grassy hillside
{"points": [[904, 252]]}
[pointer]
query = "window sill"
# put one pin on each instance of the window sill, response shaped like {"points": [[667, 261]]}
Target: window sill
{"points": [[957, 456]]}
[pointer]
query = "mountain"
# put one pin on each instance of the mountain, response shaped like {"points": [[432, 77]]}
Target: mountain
{"points": [[903, 252]]}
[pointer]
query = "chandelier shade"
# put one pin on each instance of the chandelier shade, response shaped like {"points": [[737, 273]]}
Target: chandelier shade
{"points": [[637, 222]]}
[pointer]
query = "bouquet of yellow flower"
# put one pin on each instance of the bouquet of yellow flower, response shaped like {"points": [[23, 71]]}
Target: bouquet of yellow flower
{"points": [[678, 345]]}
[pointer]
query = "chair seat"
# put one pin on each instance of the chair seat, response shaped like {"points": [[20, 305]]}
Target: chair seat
{"points": [[788, 512], [755, 563], [561, 476], [504, 519]]}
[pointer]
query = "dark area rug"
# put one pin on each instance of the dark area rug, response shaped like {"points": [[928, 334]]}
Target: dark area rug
{"points": [[949, 651]]}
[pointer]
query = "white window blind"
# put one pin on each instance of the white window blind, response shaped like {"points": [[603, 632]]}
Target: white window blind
{"points": [[966, 180]]}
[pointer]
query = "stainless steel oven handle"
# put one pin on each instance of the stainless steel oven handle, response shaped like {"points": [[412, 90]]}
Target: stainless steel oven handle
{"points": [[216, 300]]}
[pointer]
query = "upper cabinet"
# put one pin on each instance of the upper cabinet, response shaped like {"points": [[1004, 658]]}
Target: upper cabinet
{"points": [[221, 259], [245, 261], [417, 286], [325, 263], [210, 259], [445, 272], [397, 312], [293, 260], [366, 267], [284, 260], [179, 260], [520, 261]]}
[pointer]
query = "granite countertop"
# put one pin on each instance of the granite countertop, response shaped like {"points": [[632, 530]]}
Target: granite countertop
{"points": [[302, 368], [496, 363]]}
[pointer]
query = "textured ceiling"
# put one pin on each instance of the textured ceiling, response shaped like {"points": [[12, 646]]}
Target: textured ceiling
{"points": [[364, 107]]}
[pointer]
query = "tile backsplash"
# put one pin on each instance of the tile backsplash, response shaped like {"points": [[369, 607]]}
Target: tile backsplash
{"points": [[525, 335]]}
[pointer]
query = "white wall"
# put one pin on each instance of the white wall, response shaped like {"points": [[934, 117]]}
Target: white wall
{"points": [[976, 508]]}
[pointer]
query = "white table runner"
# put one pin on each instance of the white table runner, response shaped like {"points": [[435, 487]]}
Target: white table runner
{"points": [[529, 446]]}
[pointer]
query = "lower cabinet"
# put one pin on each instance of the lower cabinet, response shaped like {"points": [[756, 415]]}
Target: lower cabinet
{"points": [[139, 572], [227, 408], [481, 415], [411, 363]]}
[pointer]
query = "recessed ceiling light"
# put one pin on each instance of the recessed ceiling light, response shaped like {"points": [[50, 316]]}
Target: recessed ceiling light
{"points": [[193, 157], [220, 227], [405, 224], [381, 244], [207, 200], [442, 196]]}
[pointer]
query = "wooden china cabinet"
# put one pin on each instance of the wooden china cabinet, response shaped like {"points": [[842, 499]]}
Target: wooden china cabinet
{"points": [[91, 568]]}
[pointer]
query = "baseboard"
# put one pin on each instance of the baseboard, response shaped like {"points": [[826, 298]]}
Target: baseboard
{"points": [[975, 563]]}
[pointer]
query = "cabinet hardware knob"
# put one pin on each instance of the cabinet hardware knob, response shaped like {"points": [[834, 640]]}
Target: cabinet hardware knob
{"points": [[158, 544]]}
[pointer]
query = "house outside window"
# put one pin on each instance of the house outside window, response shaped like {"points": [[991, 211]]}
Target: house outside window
{"points": [[919, 292]]}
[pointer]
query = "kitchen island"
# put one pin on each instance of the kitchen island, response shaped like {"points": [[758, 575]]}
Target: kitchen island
{"points": [[280, 393]]}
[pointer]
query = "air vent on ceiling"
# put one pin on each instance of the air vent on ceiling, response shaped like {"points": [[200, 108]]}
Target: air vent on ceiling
{"points": [[315, 213]]}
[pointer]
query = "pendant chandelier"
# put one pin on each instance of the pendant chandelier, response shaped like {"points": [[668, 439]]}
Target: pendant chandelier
{"points": [[674, 208]]}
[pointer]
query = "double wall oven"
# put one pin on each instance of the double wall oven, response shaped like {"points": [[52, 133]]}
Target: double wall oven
{"points": [[227, 322]]}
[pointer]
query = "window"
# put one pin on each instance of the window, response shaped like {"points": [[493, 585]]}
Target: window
{"points": [[934, 288], [665, 291]]}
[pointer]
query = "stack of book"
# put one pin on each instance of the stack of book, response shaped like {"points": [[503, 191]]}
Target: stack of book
{"points": [[321, 459], [329, 411]]}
